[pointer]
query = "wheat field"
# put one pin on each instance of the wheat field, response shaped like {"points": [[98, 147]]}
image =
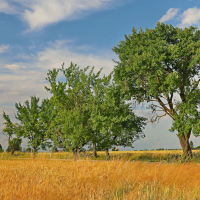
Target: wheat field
{"points": [[45, 179]]}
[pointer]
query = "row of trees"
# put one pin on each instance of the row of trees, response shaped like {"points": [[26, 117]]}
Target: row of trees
{"points": [[158, 67], [84, 110]]}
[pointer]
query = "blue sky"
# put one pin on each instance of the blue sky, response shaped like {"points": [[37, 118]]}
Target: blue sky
{"points": [[39, 35]]}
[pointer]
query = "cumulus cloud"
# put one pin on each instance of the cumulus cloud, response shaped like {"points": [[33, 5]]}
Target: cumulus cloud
{"points": [[171, 13], [39, 14], [20, 80], [7, 7], [191, 16], [4, 48], [62, 52], [42, 13]]}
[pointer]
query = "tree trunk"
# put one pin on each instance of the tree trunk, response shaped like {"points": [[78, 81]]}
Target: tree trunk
{"points": [[94, 150], [13, 151], [107, 153], [33, 152], [75, 153], [187, 151]]}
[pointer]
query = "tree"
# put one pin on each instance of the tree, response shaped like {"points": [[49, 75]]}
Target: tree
{"points": [[160, 67], [14, 145], [10, 128], [1, 149], [112, 119], [32, 127], [69, 128], [90, 110], [191, 145]]}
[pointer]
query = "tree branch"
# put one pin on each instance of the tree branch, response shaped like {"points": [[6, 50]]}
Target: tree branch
{"points": [[167, 110], [157, 118]]}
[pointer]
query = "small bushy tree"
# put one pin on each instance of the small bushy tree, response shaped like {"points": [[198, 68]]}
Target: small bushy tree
{"points": [[14, 145], [191, 145], [10, 129], [32, 127]]}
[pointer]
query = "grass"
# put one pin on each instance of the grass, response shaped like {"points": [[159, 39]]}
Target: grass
{"points": [[84, 179], [149, 156]]}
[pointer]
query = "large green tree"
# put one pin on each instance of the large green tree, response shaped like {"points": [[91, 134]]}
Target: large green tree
{"points": [[161, 67]]}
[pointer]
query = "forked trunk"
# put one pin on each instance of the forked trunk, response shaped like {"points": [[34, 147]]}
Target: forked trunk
{"points": [[187, 151], [107, 153], [94, 150]]}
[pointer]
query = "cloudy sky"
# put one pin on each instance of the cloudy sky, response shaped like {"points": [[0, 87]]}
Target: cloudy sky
{"points": [[39, 35]]}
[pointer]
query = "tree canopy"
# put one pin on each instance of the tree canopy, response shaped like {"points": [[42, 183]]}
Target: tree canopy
{"points": [[161, 67]]}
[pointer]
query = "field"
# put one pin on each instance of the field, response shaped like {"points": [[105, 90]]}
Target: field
{"points": [[49, 177], [168, 156]]}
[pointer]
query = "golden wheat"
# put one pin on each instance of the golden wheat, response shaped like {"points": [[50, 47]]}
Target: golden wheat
{"points": [[56, 179]]}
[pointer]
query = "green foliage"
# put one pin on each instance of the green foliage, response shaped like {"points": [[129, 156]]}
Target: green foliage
{"points": [[191, 145], [1, 149], [89, 109], [28, 149], [112, 121], [160, 67], [10, 129], [69, 126], [54, 149], [33, 128], [14, 145]]}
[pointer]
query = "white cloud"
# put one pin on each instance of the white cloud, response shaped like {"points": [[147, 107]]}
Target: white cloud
{"points": [[190, 17], [61, 52], [42, 13], [14, 67], [20, 80], [171, 13], [39, 14], [4, 48], [4, 6], [7, 7]]}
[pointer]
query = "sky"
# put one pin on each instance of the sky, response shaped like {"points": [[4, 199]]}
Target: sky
{"points": [[37, 36]]}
